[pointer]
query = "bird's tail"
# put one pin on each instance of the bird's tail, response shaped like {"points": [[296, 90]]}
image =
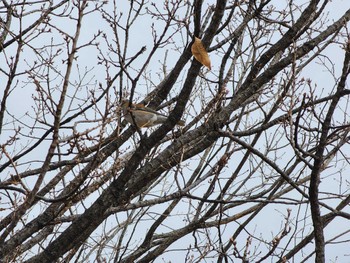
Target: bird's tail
{"points": [[162, 119]]}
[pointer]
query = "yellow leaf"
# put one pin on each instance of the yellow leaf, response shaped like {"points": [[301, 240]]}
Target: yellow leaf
{"points": [[199, 53]]}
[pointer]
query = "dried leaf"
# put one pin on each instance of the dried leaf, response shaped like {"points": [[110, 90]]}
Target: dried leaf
{"points": [[199, 53]]}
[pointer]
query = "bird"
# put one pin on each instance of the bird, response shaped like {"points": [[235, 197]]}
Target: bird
{"points": [[143, 116], [199, 53]]}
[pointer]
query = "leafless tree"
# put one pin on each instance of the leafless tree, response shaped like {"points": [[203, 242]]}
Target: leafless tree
{"points": [[258, 174]]}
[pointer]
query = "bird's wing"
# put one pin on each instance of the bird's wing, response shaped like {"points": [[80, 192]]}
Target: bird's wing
{"points": [[149, 110], [143, 118], [199, 52]]}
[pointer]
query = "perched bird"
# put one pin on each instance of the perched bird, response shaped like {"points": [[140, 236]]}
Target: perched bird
{"points": [[199, 53], [143, 116]]}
